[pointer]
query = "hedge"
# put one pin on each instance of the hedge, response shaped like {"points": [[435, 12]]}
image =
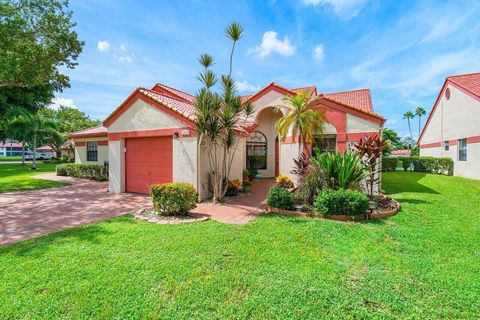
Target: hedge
{"points": [[97, 172], [428, 165], [389, 164], [175, 198], [280, 198], [341, 201]]}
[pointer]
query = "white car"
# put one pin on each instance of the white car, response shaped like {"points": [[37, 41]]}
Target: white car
{"points": [[38, 156]]}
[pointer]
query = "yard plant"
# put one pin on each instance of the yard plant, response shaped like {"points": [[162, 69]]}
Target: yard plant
{"points": [[280, 198], [97, 172], [176, 198], [341, 201]]}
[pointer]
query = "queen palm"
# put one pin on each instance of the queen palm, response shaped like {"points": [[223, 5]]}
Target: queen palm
{"points": [[34, 126], [420, 112], [409, 115], [300, 120]]}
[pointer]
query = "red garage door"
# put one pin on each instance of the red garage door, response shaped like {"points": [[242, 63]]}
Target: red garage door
{"points": [[148, 161]]}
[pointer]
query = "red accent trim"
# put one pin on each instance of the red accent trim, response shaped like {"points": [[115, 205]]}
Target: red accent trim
{"points": [[447, 81], [115, 136], [355, 137], [277, 152], [80, 143], [271, 87], [431, 145], [330, 104], [474, 139], [132, 98], [452, 142], [102, 143]]}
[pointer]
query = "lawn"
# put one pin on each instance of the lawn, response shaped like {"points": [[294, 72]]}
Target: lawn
{"points": [[422, 263], [10, 158], [15, 177]]}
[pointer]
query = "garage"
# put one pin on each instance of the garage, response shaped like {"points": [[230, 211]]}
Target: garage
{"points": [[148, 161]]}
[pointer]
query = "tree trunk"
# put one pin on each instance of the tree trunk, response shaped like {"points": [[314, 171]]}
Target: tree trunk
{"points": [[34, 164], [23, 153]]}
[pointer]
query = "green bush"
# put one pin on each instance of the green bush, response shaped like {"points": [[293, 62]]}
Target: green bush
{"points": [[406, 163], [341, 201], [428, 165], [280, 198], [175, 198], [86, 171], [389, 164]]}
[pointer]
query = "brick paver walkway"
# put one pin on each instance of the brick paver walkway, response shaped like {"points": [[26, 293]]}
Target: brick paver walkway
{"points": [[28, 214]]}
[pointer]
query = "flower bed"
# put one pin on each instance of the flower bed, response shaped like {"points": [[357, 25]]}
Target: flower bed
{"points": [[149, 215]]}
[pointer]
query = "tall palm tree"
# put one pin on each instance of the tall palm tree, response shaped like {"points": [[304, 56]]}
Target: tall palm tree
{"points": [[420, 112], [301, 120], [409, 115], [34, 125]]}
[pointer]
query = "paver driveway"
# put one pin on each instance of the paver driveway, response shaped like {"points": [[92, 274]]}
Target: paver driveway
{"points": [[28, 214]]}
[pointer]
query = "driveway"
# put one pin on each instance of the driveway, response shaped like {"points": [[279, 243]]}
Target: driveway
{"points": [[28, 214]]}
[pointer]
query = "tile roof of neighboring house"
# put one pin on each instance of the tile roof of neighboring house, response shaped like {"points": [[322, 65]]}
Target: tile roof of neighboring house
{"points": [[12, 144], [45, 149], [98, 131], [469, 82], [403, 152]]}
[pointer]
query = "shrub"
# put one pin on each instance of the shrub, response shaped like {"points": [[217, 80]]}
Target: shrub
{"points": [[389, 164], [234, 186], [86, 171], [309, 186], [284, 182], [406, 162], [175, 198], [280, 198], [341, 170], [341, 201], [302, 167]]}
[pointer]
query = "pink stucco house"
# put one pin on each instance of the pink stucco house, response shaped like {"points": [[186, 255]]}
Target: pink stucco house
{"points": [[150, 138]]}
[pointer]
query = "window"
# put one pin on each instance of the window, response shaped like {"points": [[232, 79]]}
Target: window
{"points": [[446, 145], [462, 150], [92, 151], [257, 151], [325, 143]]}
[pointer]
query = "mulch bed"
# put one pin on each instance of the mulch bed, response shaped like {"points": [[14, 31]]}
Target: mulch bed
{"points": [[149, 215]]}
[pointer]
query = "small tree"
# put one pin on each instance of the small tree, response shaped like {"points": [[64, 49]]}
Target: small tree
{"points": [[370, 149], [218, 117], [300, 120], [420, 112], [34, 126], [408, 116]]}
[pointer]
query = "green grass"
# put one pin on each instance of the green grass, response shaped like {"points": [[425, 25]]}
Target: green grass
{"points": [[15, 177], [10, 158], [422, 263]]}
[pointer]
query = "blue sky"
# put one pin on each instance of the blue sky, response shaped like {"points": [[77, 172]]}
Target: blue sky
{"points": [[401, 50]]}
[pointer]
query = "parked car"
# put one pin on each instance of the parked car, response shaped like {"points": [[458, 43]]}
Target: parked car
{"points": [[38, 156]]}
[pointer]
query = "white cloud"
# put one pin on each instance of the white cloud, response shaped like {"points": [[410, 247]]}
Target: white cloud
{"points": [[103, 46], [319, 52], [57, 102], [270, 44], [345, 9], [122, 48], [124, 58], [244, 86]]}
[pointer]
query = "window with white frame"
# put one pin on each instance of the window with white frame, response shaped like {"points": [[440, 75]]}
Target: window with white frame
{"points": [[92, 151], [462, 150]]}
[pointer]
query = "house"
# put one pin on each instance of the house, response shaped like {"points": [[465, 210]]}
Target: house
{"points": [[400, 153], [47, 150], [150, 138], [10, 148], [452, 128]]}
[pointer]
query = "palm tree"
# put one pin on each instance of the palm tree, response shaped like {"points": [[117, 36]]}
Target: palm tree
{"points": [[34, 126], [409, 115], [420, 112], [301, 120]]}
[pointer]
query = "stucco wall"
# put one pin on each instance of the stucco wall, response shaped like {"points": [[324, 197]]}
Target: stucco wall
{"points": [[116, 178], [453, 119], [288, 152], [185, 160], [359, 125], [142, 116], [81, 151]]}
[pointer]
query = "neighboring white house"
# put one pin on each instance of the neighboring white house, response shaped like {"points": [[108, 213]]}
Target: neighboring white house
{"points": [[10, 148], [151, 136], [453, 126]]}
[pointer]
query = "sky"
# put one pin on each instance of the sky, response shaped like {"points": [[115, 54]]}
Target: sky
{"points": [[401, 50]]}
